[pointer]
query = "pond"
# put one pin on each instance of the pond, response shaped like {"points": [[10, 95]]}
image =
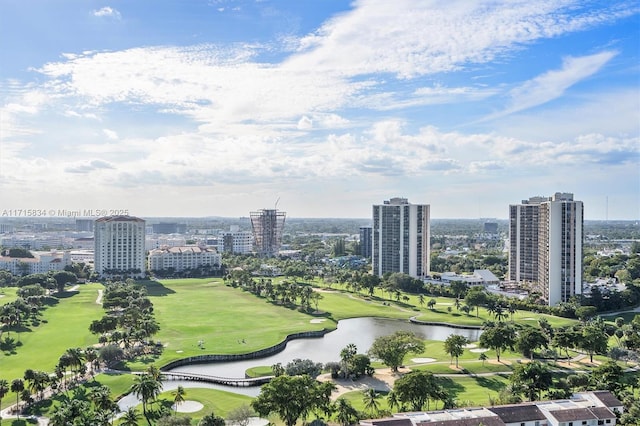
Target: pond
{"points": [[359, 331]]}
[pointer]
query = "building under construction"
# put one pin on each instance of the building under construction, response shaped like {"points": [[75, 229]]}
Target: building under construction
{"points": [[268, 226]]}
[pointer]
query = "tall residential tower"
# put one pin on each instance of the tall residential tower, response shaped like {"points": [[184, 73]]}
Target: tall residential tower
{"points": [[268, 226], [119, 246], [545, 235], [401, 238]]}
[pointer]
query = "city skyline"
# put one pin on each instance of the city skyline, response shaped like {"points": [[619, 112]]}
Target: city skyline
{"points": [[320, 109]]}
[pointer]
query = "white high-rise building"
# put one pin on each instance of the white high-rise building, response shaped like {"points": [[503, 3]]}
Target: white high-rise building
{"points": [[120, 246], [235, 241], [401, 238], [546, 239]]}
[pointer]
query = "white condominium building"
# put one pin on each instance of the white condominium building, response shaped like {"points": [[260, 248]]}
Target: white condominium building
{"points": [[546, 245], [40, 263], [184, 258], [235, 241], [120, 246], [401, 238]]}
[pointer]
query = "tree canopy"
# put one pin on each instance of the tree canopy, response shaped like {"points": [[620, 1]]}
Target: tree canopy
{"points": [[392, 349], [292, 398]]}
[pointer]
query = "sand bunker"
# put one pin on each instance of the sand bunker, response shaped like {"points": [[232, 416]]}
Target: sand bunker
{"points": [[422, 360], [470, 346], [317, 320], [478, 350], [188, 407]]}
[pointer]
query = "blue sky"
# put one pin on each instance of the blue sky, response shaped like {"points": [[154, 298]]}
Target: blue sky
{"points": [[220, 107]]}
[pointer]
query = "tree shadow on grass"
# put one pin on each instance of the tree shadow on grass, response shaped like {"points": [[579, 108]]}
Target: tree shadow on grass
{"points": [[155, 288], [22, 422], [64, 294], [490, 383], [451, 386], [50, 301]]}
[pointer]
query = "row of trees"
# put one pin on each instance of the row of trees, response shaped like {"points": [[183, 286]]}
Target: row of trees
{"points": [[284, 292], [129, 321], [591, 337]]}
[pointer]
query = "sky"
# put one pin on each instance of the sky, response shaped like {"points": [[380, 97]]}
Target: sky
{"points": [[320, 108]]}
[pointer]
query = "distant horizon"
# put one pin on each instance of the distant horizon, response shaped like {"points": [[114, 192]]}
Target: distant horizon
{"points": [[488, 219]]}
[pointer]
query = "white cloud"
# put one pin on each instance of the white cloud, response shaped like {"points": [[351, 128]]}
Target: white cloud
{"points": [[305, 123], [417, 38], [88, 166], [553, 84], [107, 12], [110, 134]]}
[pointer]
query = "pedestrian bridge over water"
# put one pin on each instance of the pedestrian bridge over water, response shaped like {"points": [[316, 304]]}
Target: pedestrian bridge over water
{"points": [[227, 381]]}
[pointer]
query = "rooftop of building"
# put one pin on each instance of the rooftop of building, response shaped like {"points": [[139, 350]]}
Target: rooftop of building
{"points": [[119, 218], [183, 249], [583, 406]]}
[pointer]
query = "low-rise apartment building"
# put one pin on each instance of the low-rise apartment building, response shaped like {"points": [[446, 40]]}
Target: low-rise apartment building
{"points": [[40, 263], [179, 259], [597, 408]]}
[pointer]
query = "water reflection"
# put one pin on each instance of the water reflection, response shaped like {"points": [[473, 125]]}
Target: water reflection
{"points": [[359, 331]]}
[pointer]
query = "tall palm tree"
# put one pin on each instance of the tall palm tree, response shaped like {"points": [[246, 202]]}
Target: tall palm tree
{"points": [[392, 400], [499, 312], [130, 417], [39, 382], [345, 413], [147, 388], [178, 397], [370, 400], [4, 389], [17, 386]]}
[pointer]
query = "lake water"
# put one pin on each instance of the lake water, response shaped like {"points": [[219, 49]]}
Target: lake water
{"points": [[359, 331]]}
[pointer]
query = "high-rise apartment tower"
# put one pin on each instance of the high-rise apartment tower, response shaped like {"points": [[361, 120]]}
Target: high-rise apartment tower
{"points": [[268, 226], [545, 235], [119, 246], [365, 241], [401, 238]]}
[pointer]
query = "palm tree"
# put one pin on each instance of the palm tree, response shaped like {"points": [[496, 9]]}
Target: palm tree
{"points": [[17, 386], [178, 397], [392, 400], [345, 413], [147, 388], [370, 400], [511, 308], [104, 405], [130, 417], [39, 382], [4, 389], [499, 312], [92, 357]]}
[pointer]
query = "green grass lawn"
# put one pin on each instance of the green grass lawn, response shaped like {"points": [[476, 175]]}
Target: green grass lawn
{"points": [[64, 325], [227, 319], [214, 401], [8, 294], [467, 391]]}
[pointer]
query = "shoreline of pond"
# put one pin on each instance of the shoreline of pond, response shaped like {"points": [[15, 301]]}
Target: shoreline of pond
{"points": [[281, 346]]}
